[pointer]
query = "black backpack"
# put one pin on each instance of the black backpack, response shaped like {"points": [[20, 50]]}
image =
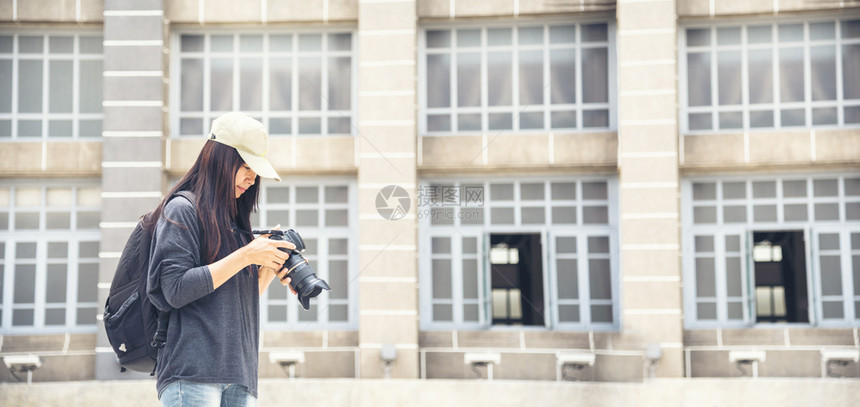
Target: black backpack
{"points": [[136, 328]]}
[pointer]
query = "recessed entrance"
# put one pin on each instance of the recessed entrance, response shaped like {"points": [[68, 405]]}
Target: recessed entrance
{"points": [[779, 260], [516, 279]]}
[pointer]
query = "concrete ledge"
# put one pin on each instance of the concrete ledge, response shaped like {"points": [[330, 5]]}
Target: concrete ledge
{"points": [[419, 393]]}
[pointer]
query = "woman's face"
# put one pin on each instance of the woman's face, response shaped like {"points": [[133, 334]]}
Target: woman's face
{"points": [[245, 177]]}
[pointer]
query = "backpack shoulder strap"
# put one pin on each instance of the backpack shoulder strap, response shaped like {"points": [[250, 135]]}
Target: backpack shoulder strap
{"points": [[187, 195]]}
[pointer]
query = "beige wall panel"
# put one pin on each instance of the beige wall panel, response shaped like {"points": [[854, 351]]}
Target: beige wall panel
{"points": [[436, 339], [387, 232], [713, 150], [433, 8], [388, 107], [733, 7], [377, 328], [388, 296], [183, 153], [767, 147], [647, 77], [293, 339], [92, 11], [389, 47], [182, 11], [650, 231], [342, 10], [639, 47], [453, 151], [640, 330], [47, 10], [651, 263], [648, 138], [488, 339], [376, 262], [5, 11], [517, 150], [224, 11], [319, 153], [386, 139], [388, 171], [693, 8], [21, 157], [405, 366], [556, 340], [649, 107], [650, 169], [585, 148], [813, 5], [387, 16], [550, 7], [651, 295], [293, 10], [643, 200], [646, 15], [837, 145], [467, 8], [671, 363]]}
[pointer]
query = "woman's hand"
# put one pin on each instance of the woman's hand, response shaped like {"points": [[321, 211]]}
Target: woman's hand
{"points": [[266, 252]]}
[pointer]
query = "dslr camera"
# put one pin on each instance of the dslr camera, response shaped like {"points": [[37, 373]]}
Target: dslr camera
{"points": [[304, 280]]}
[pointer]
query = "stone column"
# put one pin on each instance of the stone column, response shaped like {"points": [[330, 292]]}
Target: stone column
{"points": [[386, 144], [132, 146], [649, 181]]}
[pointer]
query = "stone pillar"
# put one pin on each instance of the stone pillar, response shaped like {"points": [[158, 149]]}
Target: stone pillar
{"points": [[649, 181], [386, 144], [132, 146]]}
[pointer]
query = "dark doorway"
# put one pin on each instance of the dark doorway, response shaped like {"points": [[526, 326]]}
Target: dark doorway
{"points": [[516, 279], [779, 260]]}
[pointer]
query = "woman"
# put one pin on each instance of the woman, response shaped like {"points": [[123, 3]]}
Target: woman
{"points": [[207, 268]]}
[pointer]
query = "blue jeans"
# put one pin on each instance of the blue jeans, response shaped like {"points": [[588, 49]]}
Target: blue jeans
{"points": [[183, 393]]}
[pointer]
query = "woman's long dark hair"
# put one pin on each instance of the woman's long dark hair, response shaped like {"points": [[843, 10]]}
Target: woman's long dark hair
{"points": [[212, 180]]}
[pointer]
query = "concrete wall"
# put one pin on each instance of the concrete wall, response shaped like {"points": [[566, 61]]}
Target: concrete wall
{"points": [[646, 149], [419, 393]]}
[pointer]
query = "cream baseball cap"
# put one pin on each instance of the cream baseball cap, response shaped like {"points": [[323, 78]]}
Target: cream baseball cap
{"points": [[249, 137]]}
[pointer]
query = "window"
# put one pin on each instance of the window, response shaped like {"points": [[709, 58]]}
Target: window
{"points": [[526, 77], [771, 75], [296, 83], [50, 86], [527, 252], [767, 250], [49, 257], [322, 213]]}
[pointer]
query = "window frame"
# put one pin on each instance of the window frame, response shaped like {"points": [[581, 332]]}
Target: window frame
{"points": [[548, 233], [265, 114], [810, 227], [349, 232], [41, 238], [775, 106], [45, 116], [547, 107]]}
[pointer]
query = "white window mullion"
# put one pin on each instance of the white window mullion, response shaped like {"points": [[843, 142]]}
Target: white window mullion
{"points": [[715, 90], [578, 76], [485, 98], [777, 92], [72, 269], [457, 278], [582, 279], [76, 86], [807, 76], [324, 94], [840, 109], [46, 82]]}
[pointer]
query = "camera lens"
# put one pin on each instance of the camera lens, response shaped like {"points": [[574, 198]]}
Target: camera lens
{"points": [[304, 279]]}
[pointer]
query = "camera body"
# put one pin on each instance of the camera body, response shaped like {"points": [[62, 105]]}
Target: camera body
{"points": [[304, 280]]}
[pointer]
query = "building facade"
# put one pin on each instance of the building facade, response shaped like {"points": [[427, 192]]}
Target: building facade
{"points": [[599, 191]]}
